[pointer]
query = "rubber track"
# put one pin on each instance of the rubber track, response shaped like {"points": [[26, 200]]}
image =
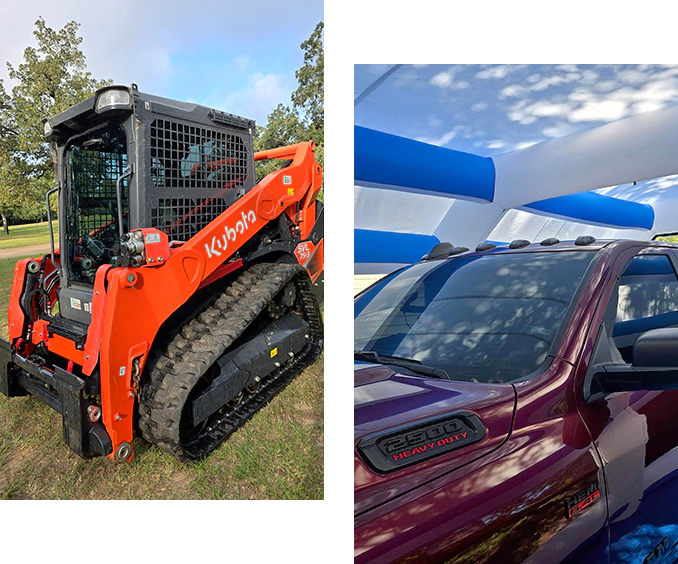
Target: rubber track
{"points": [[203, 340]]}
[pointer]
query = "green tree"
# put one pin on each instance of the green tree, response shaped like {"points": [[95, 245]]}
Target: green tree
{"points": [[52, 77], [304, 120], [309, 97], [282, 128], [10, 193]]}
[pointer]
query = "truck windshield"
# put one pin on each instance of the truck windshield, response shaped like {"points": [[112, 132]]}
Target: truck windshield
{"points": [[488, 318], [94, 163]]}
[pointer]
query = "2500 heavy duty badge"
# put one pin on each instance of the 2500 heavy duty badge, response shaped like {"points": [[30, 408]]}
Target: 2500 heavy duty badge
{"points": [[401, 446]]}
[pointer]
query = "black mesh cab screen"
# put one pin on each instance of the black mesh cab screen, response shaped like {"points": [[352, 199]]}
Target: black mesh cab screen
{"points": [[196, 173], [95, 162]]}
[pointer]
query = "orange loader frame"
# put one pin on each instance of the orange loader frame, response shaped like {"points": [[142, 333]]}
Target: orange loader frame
{"points": [[169, 277]]}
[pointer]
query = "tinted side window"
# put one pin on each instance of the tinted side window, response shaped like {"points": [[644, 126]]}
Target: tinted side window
{"points": [[647, 299], [648, 287]]}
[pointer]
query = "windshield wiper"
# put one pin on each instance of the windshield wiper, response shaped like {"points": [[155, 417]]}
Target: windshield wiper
{"points": [[374, 355], [412, 364]]}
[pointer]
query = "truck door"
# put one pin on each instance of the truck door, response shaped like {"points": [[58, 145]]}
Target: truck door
{"points": [[637, 444]]}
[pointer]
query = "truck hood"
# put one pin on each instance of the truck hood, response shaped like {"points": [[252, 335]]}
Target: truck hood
{"points": [[394, 407]]}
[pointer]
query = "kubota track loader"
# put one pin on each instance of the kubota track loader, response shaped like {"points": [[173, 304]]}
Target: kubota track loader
{"points": [[184, 294]]}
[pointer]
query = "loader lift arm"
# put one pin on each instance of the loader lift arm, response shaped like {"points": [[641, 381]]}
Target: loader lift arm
{"points": [[180, 276]]}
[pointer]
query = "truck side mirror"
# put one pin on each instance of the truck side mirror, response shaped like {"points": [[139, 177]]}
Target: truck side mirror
{"points": [[657, 349], [655, 366]]}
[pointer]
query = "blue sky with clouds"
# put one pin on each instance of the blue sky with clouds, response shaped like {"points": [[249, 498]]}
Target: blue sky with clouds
{"points": [[239, 57], [490, 109]]}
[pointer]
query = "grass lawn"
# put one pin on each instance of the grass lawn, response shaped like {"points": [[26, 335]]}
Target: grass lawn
{"points": [[278, 454], [29, 234]]}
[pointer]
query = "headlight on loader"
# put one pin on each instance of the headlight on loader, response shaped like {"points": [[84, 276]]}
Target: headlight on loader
{"points": [[111, 99]]}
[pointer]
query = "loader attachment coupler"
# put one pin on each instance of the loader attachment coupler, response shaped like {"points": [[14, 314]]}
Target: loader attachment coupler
{"points": [[61, 390]]}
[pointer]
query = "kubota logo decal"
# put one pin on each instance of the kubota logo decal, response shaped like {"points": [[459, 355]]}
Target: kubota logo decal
{"points": [[220, 243]]}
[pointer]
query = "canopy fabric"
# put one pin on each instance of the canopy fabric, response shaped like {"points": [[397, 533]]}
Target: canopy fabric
{"points": [[428, 162]]}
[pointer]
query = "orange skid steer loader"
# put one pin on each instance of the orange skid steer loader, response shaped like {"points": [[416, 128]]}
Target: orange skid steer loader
{"points": [[184, 294]]}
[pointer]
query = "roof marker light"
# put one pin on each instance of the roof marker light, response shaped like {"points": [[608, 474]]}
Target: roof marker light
{"points": [[584, 240], [458, 251], [438, 251], [519, 244]]}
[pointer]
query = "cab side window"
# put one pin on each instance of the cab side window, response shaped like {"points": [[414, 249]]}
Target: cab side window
{"points": [[647, 298]]}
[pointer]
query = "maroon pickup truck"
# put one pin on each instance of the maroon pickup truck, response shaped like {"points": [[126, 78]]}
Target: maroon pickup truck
{"points": [[519, 404]]}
